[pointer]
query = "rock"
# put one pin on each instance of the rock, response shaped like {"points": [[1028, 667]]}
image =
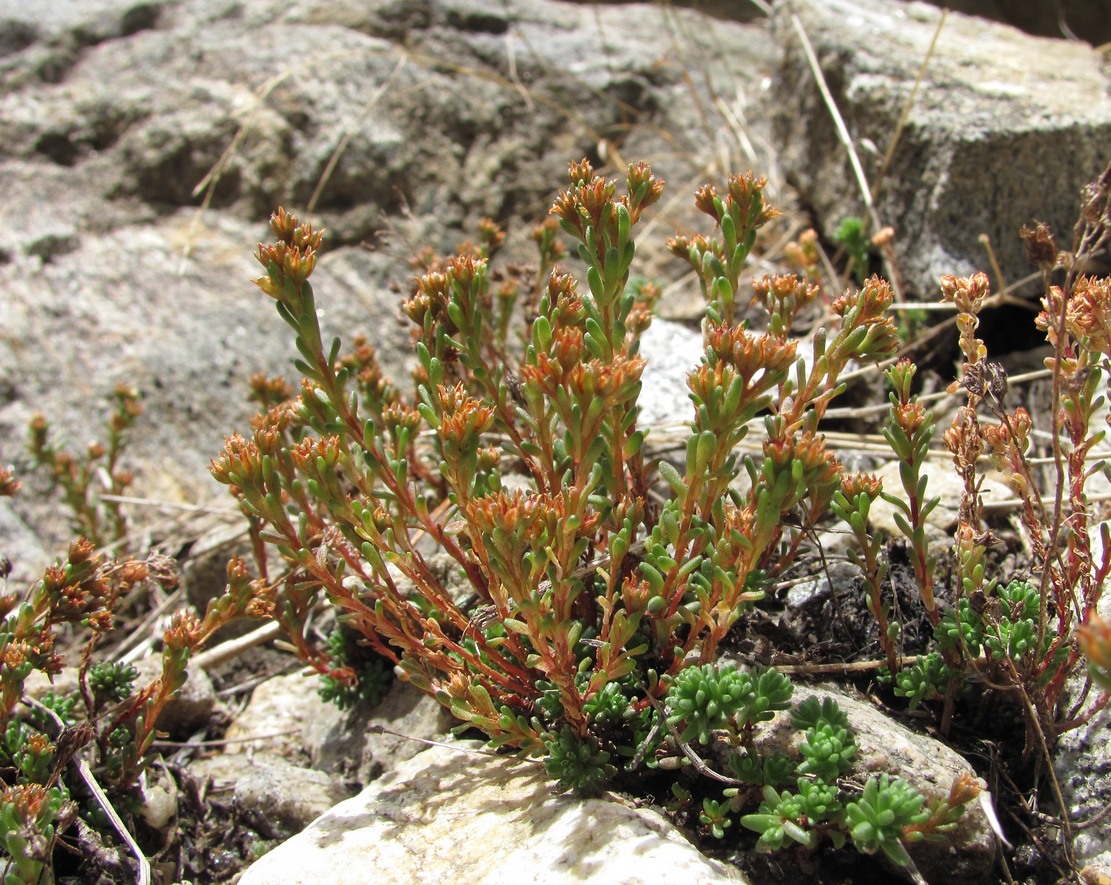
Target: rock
{"points": [[483, 800], [279, 799], [159, 806], [942, 482], [49, 244], [1005, 130], [840, 574], [286, 717], [1083, 766], [281, 713], [38, 684], [22, 549], [673, 351], [451, 809], [1082, 762], [344, 744]]}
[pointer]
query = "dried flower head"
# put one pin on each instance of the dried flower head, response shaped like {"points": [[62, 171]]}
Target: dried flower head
{"points": [[1095, 205], [986, 379], [1041, 247]]}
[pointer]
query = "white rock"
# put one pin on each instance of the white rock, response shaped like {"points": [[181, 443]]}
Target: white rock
{"points": [[672, 351], [942, 482], [446, 814], [159, 806], [282, 715]]}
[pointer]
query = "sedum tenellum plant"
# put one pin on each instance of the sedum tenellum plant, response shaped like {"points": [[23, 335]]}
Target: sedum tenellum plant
{"points": [[1021, 640], [500, 534], [1025, 636], [109, 723], [589, 587], [91, 483]]}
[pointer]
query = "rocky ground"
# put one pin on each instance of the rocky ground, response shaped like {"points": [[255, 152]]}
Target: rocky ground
{"points": [[144, 144]]}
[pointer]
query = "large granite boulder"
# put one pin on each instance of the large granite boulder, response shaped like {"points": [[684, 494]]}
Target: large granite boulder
{"points": [[1004, 130]]}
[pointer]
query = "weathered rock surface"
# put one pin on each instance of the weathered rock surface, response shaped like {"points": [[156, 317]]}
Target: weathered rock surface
{"points": [[285, 717], [1083, 767], [276, 797], [1005, 129], [449, 810]]}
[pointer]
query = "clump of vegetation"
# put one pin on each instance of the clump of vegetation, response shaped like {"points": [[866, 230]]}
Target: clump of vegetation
{"points": [[90, 484], [819, 799], [581, 584], [851, 236], [600, 584], [592, 589], [79, 756]]}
